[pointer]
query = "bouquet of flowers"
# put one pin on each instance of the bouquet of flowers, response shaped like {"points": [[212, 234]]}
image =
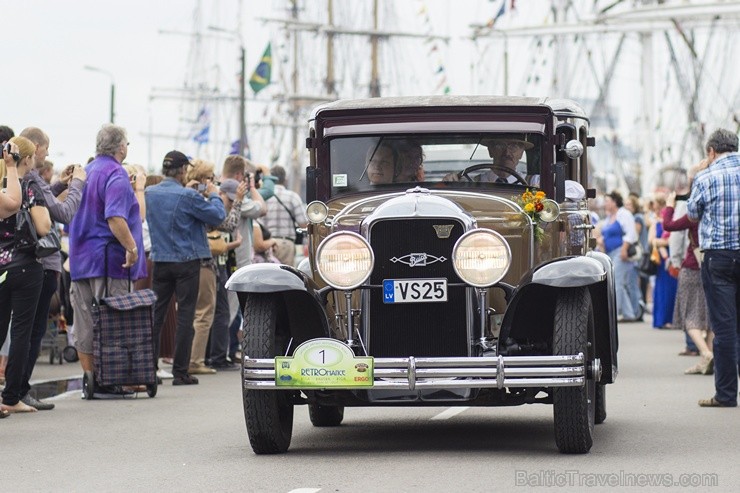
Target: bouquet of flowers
{"points": [[531, 203]]}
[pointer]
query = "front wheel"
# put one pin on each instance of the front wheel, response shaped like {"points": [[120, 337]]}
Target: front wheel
{"points": [[268, 413], [574, 407]]}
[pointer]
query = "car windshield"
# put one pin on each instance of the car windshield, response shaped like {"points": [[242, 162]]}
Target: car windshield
{"points": [[374, 162]]}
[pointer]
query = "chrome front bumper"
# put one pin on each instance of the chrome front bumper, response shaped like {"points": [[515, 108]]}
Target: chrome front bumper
{"points": [[444, 373]]}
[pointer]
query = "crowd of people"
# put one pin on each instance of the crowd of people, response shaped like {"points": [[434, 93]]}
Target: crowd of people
{"points": [[180, 233], [184, 231], [680, 256]]}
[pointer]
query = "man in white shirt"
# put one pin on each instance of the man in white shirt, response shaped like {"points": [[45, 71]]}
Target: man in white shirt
{"points": [[285, 212]]}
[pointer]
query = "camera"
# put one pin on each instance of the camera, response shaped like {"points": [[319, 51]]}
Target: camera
{"points": [[257, 178], [16, 157]]}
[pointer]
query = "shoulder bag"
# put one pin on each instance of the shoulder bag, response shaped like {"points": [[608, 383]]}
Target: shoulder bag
{"points": [[698, 253], [216, 243], [647, 266], [298, 230], [26, 235]]}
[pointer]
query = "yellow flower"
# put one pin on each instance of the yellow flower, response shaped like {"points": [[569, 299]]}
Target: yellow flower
{"points": [[529, 207], [540, 195]]}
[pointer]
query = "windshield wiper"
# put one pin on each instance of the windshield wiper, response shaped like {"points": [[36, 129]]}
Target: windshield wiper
{"points": [[380, 141]]}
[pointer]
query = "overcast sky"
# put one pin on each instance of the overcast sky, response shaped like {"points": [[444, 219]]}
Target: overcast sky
{"points": [[47, 43]]}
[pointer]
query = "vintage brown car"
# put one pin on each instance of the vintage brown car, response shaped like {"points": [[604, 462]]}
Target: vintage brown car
{"points": [[450, 263]]}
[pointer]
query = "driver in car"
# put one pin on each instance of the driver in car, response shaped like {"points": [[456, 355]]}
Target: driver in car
{"points": [[506, 152]]}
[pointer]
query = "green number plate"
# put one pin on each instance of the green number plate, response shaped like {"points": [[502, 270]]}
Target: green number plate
{"points": [[323, 363]]}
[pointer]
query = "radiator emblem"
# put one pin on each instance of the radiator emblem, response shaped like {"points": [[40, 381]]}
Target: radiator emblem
{"points": [[418, 259], [443, 230]]}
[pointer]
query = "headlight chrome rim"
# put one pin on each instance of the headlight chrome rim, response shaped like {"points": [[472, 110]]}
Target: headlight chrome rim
{"points": [[482, 233], [317, 212], [333, 238]]}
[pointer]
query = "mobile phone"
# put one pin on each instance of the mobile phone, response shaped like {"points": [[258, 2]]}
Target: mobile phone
{"points": [[201, 187], [683, 197]]}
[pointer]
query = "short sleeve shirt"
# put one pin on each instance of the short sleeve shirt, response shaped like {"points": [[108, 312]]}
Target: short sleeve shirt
{"points": [[108, 193], [11, 254]]}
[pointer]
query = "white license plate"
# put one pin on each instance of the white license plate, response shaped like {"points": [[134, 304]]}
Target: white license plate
{"points": [[414, 290]]}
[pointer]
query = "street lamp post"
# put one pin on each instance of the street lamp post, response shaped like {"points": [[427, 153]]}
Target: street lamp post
{"points": [[112, 89]]}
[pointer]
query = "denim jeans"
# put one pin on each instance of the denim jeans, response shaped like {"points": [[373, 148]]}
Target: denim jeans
{"points": [[720, 275], [19, 294], [625, 279], [181, 279]]}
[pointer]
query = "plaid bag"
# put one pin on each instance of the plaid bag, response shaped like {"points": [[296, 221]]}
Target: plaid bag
{"points": [[122, 342]]}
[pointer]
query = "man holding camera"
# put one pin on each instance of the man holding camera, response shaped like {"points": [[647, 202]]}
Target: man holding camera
{"points": [[177, 216], [253, 205], [72, 181]]}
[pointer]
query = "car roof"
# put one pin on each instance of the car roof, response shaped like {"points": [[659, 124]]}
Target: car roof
{"points": [[564, 107]]}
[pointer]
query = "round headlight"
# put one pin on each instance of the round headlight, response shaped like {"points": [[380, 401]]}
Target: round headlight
{"points": [[481, 257], [316, 212], [344, 260]]}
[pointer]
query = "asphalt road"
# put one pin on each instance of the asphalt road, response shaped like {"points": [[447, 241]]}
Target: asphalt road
{"points": [[194, 439]]}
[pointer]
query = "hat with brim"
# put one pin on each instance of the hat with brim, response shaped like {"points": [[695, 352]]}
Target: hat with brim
{"points": [[175, 159], [507, 139]]}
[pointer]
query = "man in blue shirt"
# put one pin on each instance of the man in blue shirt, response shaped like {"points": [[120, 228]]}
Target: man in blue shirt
{"points": [[177, 216], [715, 203]]}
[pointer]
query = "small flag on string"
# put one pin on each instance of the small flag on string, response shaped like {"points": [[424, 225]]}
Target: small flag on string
{"points": [[261, 76], [202, 135]]}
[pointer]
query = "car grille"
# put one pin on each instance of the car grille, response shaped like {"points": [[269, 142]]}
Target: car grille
{"points": [[416, 329]]}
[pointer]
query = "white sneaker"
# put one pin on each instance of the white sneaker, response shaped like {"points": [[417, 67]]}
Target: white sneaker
{"points": [[164, 374]]}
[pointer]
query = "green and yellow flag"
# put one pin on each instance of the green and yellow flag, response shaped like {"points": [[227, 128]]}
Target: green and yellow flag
{"points": [[261, 76]]}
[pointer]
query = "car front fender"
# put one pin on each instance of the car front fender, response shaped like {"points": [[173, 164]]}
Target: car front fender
{"points": [[301, 307], [266, 278], [570, 273], [530, 311]]}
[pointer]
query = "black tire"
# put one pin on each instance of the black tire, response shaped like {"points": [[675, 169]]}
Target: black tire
{"points": [[574, 407], [325, 415], [88, 385], [151, 389], [600, 412], [268, 413]]}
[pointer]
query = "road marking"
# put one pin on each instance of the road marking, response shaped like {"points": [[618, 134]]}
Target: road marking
{"points": [[305, 490], [448, 413]]}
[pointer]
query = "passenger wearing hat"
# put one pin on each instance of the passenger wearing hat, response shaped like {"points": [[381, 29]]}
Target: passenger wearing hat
{"points": [[177, 216], [506, 150]]}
